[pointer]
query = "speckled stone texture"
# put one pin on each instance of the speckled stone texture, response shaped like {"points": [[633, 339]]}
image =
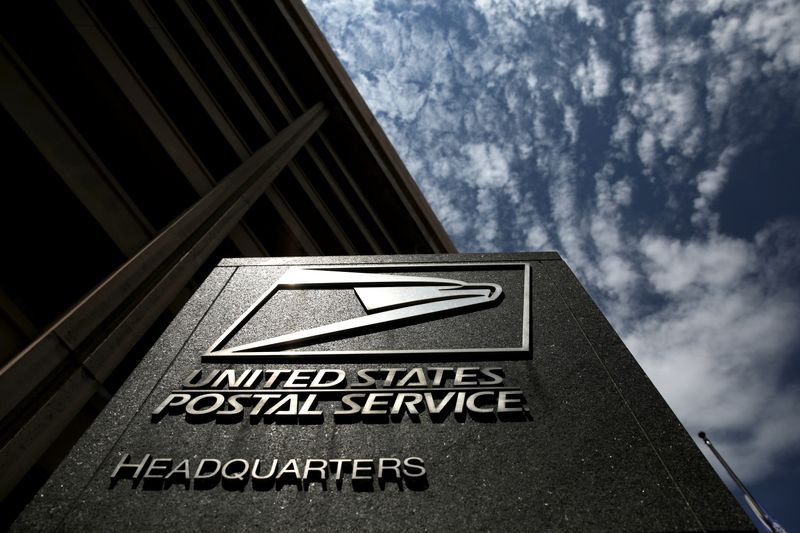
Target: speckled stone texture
{"points": [[602, 450]]}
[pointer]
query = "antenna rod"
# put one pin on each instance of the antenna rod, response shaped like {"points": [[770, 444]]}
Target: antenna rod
{"points": [[759, 511]]}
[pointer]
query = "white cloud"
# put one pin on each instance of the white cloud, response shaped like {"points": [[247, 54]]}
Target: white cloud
{"points": [[589, 13], [748, 41], [621, 134], [571, 123], [772, 28], [717, 347], [667, 112], [647, 52], [622, 192], [536, 238], [593, 78], [709, 185], [646, 148], [675, 266], [488, 166], [584, 11], [449, 214]]}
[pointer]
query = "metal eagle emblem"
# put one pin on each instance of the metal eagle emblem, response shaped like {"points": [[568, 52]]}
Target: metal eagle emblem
{"points": [[390, 301]]}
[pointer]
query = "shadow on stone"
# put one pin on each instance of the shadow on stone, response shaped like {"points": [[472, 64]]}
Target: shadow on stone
{"points": [[417, 483], [363, 485]]}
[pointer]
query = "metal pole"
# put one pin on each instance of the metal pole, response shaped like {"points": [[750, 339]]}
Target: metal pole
{"points": [[751, 501]]}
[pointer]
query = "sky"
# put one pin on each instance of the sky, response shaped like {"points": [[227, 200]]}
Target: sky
{"points": [[655, 145]]}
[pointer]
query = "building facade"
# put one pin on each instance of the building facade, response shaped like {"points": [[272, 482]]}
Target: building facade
{"points": [[144, 141]]}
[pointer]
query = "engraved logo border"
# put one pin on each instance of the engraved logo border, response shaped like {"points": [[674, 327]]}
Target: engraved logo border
{"points": [[216, 354]]}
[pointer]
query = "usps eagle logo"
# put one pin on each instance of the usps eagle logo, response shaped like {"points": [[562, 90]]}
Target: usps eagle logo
{"points": [[390, 300]]}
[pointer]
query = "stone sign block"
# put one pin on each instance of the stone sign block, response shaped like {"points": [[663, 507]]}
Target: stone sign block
{"points": [[457, 392]]}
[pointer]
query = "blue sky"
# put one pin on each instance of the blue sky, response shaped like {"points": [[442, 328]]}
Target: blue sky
{"points": [[655, 145]]}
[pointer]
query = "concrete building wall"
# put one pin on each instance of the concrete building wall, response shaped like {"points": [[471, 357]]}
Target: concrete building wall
{"points": [[144, 141]]}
